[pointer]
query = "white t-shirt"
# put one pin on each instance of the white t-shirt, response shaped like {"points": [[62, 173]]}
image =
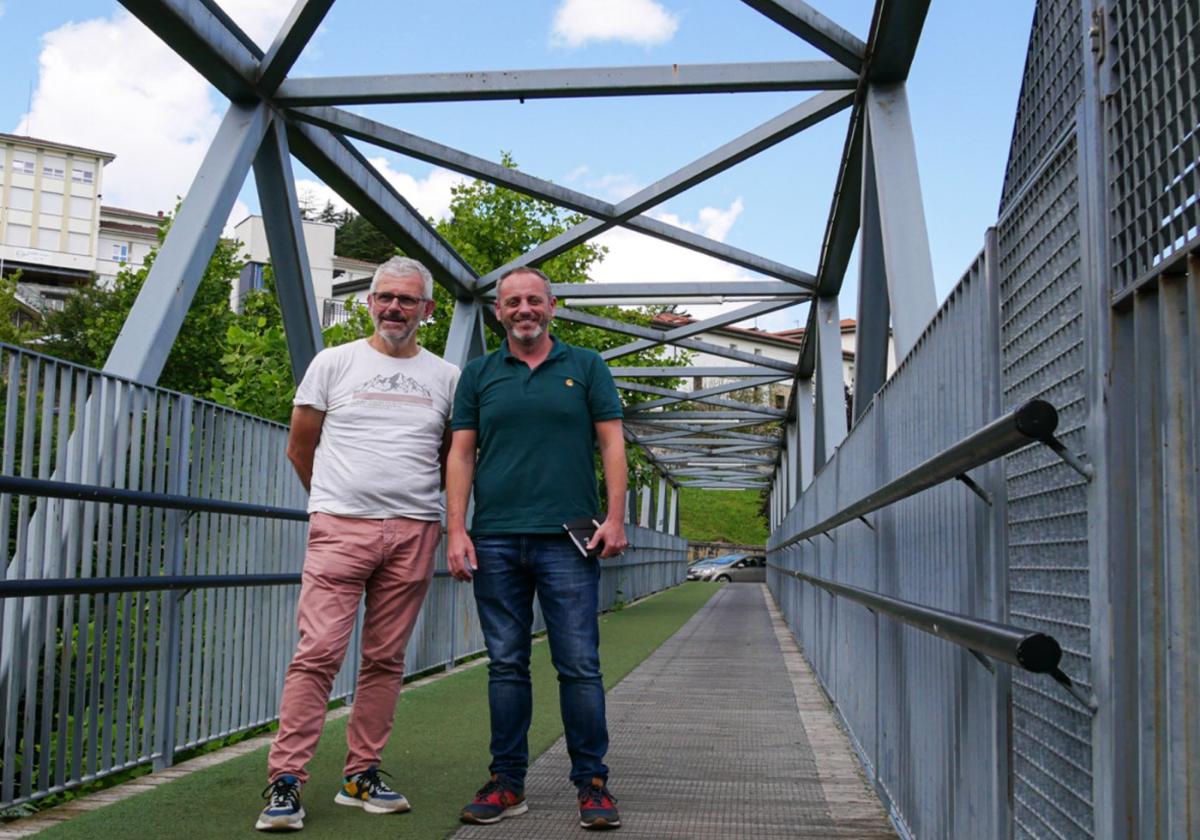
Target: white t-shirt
{"points": [[384, 424]]}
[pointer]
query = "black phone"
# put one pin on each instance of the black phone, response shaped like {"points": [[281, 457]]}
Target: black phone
{"points": [[581, 530]]}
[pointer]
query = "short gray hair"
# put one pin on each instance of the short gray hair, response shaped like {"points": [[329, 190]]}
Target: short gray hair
{"points": [[403, 267], [524, 269]]}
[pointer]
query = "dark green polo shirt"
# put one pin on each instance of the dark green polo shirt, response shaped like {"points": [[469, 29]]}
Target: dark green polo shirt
{"points": [[535, 468]]}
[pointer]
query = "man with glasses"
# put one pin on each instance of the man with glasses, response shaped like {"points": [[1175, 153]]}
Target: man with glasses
{"points": [[368, 440], [536, 410]]}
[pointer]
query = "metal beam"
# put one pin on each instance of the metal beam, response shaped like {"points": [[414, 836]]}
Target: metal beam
{"points": [[696, 289], [568, 83], [871, 329], [149, 331], [763, 137], [466, 339], [650, 333], [343, 168], [675, 372], [293, 36], [216, 50], [831, 393], [678, 396], [895, 31], [289, 256], [801, 19], [387, 137], [704, 415], [904, 237], [687, 330]]}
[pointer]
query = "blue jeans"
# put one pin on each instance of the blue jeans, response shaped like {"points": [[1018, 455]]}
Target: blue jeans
{"points": [[511, 569]]}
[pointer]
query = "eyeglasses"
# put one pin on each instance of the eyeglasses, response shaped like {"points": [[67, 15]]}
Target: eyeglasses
{"points": [[386, 299]]}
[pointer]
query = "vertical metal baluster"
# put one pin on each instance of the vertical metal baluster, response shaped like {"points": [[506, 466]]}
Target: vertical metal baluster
{"points": [[113, 654], [130, 661], [175, 463], [10, 609]]}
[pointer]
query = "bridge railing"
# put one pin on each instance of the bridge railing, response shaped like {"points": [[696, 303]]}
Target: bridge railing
{"points": [[153, 546]]}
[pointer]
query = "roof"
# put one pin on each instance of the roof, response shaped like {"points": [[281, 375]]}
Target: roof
{"points": [[351, 262], [124, 211], [140, 230], [34, 141], [665, 320]]}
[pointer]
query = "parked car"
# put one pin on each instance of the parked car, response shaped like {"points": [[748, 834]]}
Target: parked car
{"points": [[740, 568], [696, 570]]}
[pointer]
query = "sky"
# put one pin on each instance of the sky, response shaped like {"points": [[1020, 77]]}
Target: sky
{"points": [[85, 72]]}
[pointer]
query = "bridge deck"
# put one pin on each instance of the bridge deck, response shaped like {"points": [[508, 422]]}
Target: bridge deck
{"points": [[722, 732]]}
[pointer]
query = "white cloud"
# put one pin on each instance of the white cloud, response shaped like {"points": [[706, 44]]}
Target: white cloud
{"points": [[634, 258], [645, 22], [110, 84], [260, 19], [430, 195]]}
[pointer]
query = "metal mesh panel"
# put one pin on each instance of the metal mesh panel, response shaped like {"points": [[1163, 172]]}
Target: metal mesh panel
{"points": [[1153, 123], [1050, 89], [923, 714], [1043, 356]]}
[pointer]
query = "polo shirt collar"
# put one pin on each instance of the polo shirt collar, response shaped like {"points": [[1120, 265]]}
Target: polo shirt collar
{"points": [[557, 350]]}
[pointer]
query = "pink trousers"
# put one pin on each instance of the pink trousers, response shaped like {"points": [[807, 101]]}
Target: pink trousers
{"points": [[392, 561]]}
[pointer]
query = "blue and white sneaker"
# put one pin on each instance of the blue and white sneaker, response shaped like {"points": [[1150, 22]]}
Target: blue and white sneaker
{"points": [[367, 791], [283, 811]]}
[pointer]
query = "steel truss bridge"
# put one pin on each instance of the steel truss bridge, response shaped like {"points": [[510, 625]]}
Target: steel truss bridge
{"points": [[992, 566]]}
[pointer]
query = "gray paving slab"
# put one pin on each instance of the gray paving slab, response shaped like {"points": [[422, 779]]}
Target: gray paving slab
{"points": [[708, 740]]}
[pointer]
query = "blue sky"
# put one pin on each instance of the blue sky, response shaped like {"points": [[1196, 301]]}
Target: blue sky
{"points": [[95, 77]]}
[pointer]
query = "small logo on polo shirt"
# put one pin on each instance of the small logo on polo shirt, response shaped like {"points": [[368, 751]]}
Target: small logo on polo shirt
{"points": [[570, 382]]}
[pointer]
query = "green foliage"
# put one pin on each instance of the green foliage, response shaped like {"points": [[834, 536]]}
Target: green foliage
{"points": [[357, 238], [17, 326], [730, 516], [256, 370], [491, 226], [85, 330]]}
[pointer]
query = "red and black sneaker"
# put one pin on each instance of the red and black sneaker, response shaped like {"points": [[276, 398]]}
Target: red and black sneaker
{"points": [[598, 807], [494, 801]]}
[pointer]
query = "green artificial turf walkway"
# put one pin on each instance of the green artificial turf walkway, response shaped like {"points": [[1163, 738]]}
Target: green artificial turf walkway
{"points": [[437, 755]]}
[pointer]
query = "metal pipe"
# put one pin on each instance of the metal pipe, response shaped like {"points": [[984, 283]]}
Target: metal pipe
{"points": [[42, 587], [121, 496], [1035, 420], [1035, 652]]}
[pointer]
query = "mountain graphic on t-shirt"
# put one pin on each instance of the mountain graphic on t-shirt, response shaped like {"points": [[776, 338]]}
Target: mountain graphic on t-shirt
{"points": [[397, 383]]}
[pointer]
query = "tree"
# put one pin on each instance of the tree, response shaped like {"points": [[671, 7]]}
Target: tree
{"points": [[17, 325], [87, 327], [358, 239]]}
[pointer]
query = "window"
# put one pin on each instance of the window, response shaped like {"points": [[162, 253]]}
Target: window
{"points": [[17, 235], [47, 239], [52, 203], [81, 208], [82, 175], [256, 276], [23, 167], [78, 243], [20, 198], [120, 252], [55, 172]]}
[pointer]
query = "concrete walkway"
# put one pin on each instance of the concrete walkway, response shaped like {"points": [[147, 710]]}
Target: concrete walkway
{"points": [[724, 733]]}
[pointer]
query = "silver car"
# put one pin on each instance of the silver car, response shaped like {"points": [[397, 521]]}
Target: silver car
{"points": [[737, 568]]}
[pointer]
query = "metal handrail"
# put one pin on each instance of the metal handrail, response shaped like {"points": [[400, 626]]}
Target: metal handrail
{"points": [[1030, 650], [122, 496], [1034, 421], [35, 587]]}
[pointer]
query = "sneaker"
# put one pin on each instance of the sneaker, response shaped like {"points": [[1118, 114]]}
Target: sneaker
{"points": [[283, 811], [598, 807], [495, 801], [367, 791]]}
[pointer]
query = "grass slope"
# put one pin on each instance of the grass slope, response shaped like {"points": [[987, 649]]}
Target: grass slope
{"points": [[721, 516], [438, 751]]}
